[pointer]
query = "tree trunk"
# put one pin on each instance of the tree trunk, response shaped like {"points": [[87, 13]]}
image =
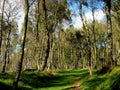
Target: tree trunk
{"points": [[51, 53], [19, 68], [48, 37], [93, 28], [87, 38], [47, 53], [7, 51], [110, 36], [37, 35], [1, 26]]}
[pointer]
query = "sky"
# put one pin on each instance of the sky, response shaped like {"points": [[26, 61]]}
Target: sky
{"points": [[99, 16], [76, 20]]}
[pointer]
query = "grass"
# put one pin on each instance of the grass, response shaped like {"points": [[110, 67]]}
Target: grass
{"points": [[63, 80]]}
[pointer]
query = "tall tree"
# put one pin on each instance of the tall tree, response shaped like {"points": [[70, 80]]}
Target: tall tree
{"points": [[109, 32], [7, 50], [10, 14], [24, 31], [1, 29], [82, 2], [48, 35], [37, 33], [93, 29], [116, 23], [54, 15]]}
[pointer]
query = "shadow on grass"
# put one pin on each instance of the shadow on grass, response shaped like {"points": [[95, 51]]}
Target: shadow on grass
{"points": [[93, 83], [41, 80], [114, 80], [64, 78], [5, 87], [37, 81], [8, 85], [31, 80], [116, 86], [7, 76]]}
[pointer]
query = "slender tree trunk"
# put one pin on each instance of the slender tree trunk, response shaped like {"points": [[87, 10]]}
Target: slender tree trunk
{"points": [[87, 39], [63, 57], [7, 51], [59, 51], [19, 68], [1, 29], [110, 34], [77, 59], [93, 28]]}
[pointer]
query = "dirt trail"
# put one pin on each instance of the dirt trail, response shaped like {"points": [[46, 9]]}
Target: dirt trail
{"points": [[77, 86]]}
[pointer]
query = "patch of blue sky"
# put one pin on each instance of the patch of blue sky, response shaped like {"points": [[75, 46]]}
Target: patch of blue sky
{"points": [[74, 6], [87, 11]]}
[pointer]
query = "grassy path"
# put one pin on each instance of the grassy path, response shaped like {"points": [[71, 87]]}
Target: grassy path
{"points": [[63, 80]]}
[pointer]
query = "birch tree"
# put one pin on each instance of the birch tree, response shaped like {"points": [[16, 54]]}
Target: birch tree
{"points": [[24, 31], [109, 32]]}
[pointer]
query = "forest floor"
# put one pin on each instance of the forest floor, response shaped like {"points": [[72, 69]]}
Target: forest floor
{"points": [[64, 80]]}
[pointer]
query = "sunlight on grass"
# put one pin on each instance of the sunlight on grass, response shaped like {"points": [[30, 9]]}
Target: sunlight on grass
{"points": [[21, 85], [56, 88], [7, 81]]}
